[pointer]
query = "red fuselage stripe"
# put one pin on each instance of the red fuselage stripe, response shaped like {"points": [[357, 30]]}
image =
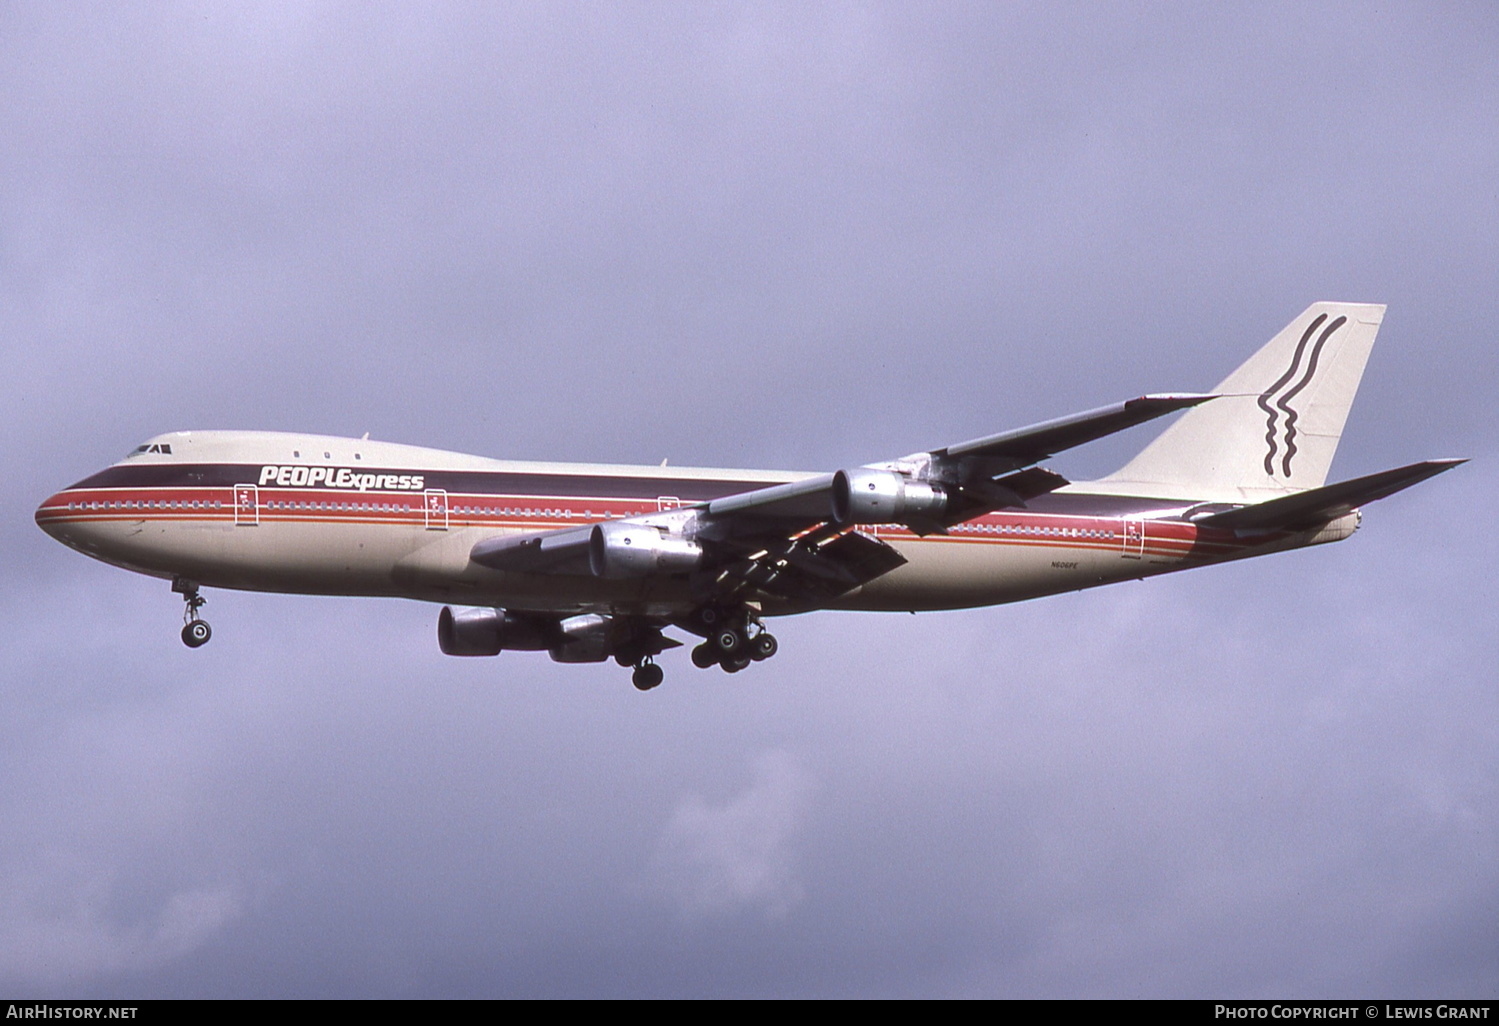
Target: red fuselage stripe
{"points": [[543, 512]]}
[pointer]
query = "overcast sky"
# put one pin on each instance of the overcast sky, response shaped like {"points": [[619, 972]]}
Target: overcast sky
{"points": [[785, 236]]}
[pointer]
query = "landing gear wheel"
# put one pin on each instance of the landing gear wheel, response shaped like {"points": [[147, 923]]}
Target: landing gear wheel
{"points": [[728, 640], [705, 655], [196, 633], [647, 676], [735, 662], [763, 646]]}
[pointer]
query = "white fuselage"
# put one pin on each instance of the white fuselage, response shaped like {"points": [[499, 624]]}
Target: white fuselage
{"points": [[317, 515]]}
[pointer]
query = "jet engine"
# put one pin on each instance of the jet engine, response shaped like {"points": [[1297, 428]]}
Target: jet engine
{"points": [[867, 496], [583, 639], [617, 550], [486, 631]]}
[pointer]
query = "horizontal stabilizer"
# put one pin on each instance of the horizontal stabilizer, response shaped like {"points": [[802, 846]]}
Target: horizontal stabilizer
{"points": [[1319, 505]]}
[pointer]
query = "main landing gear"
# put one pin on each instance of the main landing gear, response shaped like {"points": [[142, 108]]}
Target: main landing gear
{"points": [[647, 674], [640, 650], [734, 639], [733, 642], [195, 632]]}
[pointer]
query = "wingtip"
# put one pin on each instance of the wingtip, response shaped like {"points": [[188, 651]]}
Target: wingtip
{"points": [[1181, 399]]}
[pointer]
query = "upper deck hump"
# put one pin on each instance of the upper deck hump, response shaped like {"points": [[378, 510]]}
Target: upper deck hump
{"points": [[260, 449]]}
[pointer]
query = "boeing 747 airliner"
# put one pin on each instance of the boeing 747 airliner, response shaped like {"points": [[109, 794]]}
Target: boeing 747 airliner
{"points": [[589, 562]]}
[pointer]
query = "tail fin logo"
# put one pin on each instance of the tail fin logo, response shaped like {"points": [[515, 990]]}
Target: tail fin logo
{"points": [[1276, 400]]}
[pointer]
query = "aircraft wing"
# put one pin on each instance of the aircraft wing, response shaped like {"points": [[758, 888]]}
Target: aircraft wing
{"points": [[973, 477], [801, 540], [1035, 443], [543, 552], [820, 563]]}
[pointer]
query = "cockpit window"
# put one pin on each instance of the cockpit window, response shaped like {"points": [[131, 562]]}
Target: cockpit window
{"points": [[165, 448]]}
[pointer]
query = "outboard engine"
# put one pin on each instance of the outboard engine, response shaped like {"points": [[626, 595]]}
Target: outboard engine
{"points": [[867, 496], [487, 631]]}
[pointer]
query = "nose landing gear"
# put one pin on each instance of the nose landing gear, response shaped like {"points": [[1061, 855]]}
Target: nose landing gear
{"points": [[195, 631]]}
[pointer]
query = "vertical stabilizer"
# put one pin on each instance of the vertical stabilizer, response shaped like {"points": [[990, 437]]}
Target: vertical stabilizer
{"points": [[1277, 426]]}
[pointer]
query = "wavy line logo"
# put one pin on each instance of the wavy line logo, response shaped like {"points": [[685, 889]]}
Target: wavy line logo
{"points": [[1280, 415]]}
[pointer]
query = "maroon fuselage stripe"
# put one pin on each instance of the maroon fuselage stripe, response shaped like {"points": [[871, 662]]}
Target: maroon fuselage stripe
{"points": [[1166, 538]]}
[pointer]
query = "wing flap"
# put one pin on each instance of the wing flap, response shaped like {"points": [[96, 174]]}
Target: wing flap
{"points": [[819, 566]]}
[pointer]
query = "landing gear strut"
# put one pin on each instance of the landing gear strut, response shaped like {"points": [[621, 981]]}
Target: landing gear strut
{"points": [[733, 637], [647, 674], [733, 641], [195, 631]]}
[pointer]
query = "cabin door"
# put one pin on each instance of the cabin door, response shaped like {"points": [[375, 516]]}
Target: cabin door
{"points": [[246, 505], [436, 506]]}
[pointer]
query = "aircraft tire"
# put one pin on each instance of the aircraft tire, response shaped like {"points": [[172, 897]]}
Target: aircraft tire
{"points": [[735, 662], [728, 640], [763, 646], [647, 676], [704, 656], [196, 634]]}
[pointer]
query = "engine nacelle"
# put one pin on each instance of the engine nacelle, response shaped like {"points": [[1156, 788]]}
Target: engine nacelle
{"points": [[619, 550], [867, 496], [584, 639], [485, 632]]}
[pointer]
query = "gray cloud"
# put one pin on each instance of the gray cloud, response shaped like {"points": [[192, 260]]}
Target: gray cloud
{"points": [[712, 860]]}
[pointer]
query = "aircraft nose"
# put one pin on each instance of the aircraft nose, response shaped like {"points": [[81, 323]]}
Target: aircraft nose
{"points": [[57, 517], [48, 513]]}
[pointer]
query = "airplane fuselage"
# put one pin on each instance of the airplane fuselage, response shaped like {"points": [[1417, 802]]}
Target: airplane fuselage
{"points": [[308, 514]]}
